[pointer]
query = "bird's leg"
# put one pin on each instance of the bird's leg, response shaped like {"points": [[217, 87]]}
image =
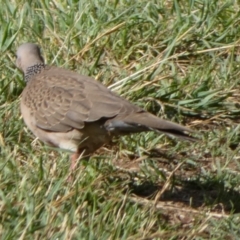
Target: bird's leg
{"points": [[75, 157], [74, 160]]}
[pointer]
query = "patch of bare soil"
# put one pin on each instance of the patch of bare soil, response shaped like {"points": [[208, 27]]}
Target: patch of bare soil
{"points": [[185, 197]]}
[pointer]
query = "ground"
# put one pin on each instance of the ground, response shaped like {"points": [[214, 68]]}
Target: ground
{"points": [[178, 60]]}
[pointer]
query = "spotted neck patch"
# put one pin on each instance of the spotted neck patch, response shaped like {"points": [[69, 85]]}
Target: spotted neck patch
{"points": [[33, 70]]}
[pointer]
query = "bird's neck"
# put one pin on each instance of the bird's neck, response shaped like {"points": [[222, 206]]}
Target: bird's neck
{"points": [[33, 70]]}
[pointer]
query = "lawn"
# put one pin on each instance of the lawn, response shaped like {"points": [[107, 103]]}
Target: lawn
{"points": [[180, 60]]}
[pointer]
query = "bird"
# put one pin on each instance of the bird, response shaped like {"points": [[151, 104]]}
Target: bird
{"points": [[77, 113]]}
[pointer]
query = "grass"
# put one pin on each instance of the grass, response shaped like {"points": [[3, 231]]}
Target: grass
{"points": [[176, 59]]}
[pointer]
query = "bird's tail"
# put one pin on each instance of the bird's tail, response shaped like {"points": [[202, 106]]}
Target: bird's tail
{"points": [[144, 121]]}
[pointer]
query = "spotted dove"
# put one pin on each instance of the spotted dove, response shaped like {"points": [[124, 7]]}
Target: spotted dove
{"points": [[67, 110]]}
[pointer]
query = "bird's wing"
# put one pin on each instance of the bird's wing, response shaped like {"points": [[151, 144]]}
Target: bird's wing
{"points": [[60, 100]]}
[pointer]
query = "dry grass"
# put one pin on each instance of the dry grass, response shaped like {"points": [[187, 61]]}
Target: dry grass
{"points": [[178, 60]]}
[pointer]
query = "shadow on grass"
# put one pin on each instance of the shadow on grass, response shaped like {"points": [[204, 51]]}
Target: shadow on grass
{"points": [[188, 186], [195, 194]]}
